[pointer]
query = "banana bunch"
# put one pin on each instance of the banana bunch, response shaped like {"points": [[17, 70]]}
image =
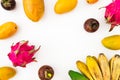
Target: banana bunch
{"points": [[100, 68]]}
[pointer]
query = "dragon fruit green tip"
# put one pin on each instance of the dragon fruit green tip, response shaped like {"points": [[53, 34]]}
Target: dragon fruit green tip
{"points": [[21, 53], [112, 13]]}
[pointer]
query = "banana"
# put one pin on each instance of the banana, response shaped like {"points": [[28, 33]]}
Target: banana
{"points": [[115, 67], [83, 69], [111, 63], [104, 65], [94, 68]]}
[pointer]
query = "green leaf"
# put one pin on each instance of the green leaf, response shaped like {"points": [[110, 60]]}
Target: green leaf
{"points": [[76, 75]]}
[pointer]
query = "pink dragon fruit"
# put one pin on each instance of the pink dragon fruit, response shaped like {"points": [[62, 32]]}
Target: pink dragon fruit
{"points": [[112, 13], [22, 53]]}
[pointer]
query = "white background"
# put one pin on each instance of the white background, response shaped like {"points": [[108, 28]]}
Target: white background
{"points": [[62, 38]]}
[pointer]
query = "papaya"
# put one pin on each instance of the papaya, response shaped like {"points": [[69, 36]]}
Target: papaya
{"points": [[34, 9]]}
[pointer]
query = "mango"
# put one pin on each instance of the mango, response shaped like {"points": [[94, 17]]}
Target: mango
{"points": [[63, 6], [34, 9], [111, 42], [91, 1], [7, 29], [7, 72]]}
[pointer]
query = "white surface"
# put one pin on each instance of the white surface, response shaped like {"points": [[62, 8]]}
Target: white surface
{"points": [[62, 38]]}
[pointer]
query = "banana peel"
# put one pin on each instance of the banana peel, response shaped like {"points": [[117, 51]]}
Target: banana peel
{"points": [[104, 65], [84, 69], [94, 68]]}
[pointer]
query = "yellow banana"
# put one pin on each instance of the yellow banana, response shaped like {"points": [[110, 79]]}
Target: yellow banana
{"points": [[84, 69], [111, 63], [94, 68], [115, 67], [104, 65]]}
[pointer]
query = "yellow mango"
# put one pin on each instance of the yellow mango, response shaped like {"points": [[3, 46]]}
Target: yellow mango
{"points": [[112, 42], [7, 72], [34, 9], [63, 6], [91, 1], [7, 29]]}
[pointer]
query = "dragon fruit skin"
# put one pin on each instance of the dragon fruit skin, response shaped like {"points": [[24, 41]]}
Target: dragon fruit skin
{"points": [[112, 13], [22, 53]]}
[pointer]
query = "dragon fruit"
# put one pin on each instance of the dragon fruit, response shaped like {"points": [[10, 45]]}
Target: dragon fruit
{"points": [[112, 14], [22, 53]]}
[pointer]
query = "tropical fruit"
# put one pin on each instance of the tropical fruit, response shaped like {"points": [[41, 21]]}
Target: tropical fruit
{"points": [[111, 42], [104, 65], [34, 9], [112, 13], [94, 68], [83, 69], [63, 6], [7, 72], [97, 68], [91, 1], [115, 67], [7, 30], [21, 53]]}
